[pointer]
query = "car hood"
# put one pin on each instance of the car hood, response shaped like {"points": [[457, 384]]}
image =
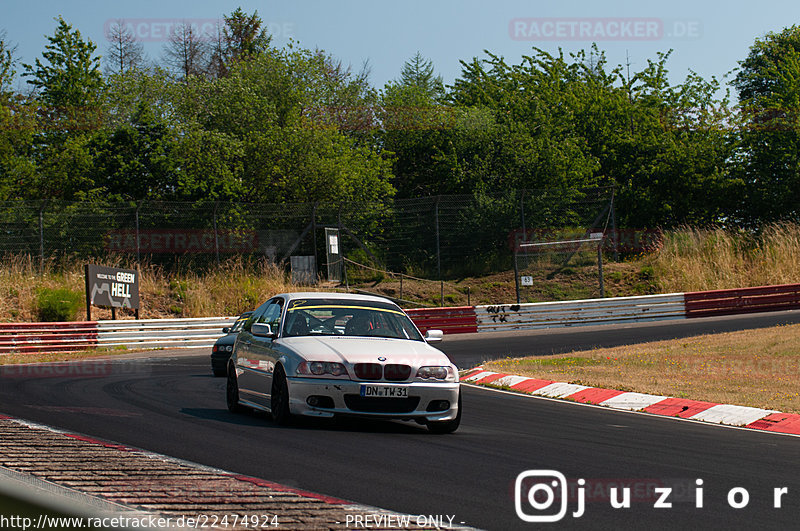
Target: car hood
{"points": [[351, 350]]}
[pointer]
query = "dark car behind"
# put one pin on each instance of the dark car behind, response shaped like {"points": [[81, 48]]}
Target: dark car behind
{"points": [[221, 351]]}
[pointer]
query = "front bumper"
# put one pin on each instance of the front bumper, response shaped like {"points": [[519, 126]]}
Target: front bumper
{"points": [[346, 399]]}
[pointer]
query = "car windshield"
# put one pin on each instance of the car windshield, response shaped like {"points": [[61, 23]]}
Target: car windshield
{"points": [[338, 317]]}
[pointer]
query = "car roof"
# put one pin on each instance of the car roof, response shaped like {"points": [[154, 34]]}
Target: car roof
{"points": [[333, 295]]}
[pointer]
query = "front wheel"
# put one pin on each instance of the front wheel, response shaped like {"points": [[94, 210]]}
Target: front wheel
{"points": [[280, 398], [232, 392], [446, 426]]}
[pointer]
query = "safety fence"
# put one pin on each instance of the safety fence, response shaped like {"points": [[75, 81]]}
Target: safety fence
{"points": [[203, 332]]}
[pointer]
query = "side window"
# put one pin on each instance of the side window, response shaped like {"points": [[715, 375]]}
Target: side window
{"points": [[254, 318], [272, 314]]}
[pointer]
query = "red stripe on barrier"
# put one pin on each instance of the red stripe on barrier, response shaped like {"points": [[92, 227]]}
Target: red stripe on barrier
{"points": [[679, 407], [456, 320], [744, 300], [26, 338], [778, 422], [594, 395], [531, 384], [54, 327]]}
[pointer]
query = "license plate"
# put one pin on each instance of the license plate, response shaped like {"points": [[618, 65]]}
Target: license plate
{"points": [[384, 391]]}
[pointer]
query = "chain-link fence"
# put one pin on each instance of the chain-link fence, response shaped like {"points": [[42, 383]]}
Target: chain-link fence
{"points": [[431, 237]]}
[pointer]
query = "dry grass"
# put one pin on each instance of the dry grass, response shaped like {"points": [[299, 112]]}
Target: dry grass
{"points": [[757, 368], [697, 260], [233, 287]]}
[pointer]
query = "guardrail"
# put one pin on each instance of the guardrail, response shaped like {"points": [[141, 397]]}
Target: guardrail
{"points": [[457, 320], [203, 332], [162, 333], [743, 300], [579, 313], [47, 337]]}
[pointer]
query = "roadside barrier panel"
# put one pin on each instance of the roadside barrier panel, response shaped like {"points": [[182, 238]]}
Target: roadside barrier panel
{"points": [[617, 310], [162, 333], [456, 320], [743, 300], [47, 337]]}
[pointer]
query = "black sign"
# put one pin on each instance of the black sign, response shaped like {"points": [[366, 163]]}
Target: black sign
{"points": [[111, 287]]}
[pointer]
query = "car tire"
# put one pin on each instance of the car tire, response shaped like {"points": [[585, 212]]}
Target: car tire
{"points": [[280, 398], [232, 392], [446, 426]]}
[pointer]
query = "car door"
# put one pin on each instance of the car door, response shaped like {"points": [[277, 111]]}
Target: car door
{"points": [[258, 356]]}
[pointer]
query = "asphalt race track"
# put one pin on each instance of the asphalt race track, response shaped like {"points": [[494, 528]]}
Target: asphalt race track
{"points": [[171, 404]]}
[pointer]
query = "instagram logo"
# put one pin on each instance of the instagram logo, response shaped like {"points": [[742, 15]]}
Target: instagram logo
{"points": [[540, 496]]}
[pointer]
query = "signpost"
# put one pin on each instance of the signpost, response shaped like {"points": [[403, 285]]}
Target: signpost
{"points": [[110, 287]]}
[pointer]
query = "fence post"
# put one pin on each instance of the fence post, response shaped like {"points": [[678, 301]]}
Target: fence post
{"points": [[216, 234], [516, 275], [438, 250], [314, 240], [341, 251], [138, 248], [600, 268], [41, 236], [614, 226]]}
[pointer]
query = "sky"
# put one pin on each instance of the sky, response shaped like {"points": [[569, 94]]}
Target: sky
{"points": [[707, 37]]}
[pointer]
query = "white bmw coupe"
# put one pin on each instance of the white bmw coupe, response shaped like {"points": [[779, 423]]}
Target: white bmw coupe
{"points": [[326, 354]]}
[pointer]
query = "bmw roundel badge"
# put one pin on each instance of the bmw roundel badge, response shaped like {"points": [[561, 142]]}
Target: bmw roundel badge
{"points": [[381, 358]]}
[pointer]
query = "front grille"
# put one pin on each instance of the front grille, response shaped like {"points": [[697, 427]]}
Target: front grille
{"points": [[368, 371], [396, 373], [381, 404]]}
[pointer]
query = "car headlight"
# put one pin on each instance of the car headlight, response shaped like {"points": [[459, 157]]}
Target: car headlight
{"points": [[444, 372], [322, 368]]}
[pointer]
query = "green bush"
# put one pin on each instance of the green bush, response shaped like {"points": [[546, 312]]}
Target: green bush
{"points": [[60, 304]]}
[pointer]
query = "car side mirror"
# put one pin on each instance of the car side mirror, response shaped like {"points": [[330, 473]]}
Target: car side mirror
{"points": [[434, 336], [226, 330], [263, 330]]}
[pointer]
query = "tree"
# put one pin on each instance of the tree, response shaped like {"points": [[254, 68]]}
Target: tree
{"points": [[241, 37], [418, 73], [124, 52], [186, 53], [768, 151], [7, 64], [69, 77]]}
